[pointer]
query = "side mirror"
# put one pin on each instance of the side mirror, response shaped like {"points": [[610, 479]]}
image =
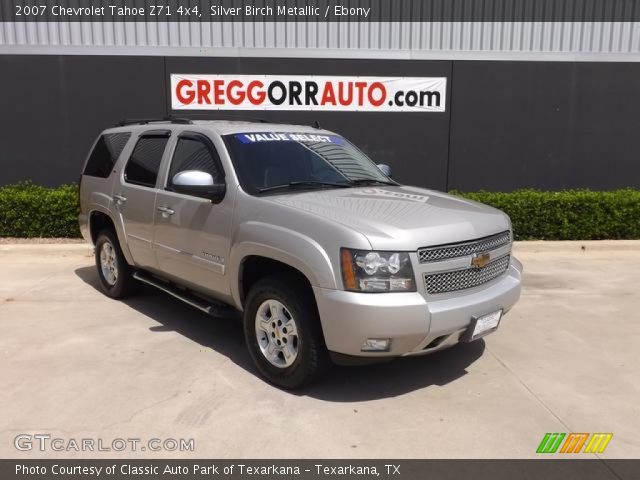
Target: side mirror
{"points": [[384, 168], [198, 184]]}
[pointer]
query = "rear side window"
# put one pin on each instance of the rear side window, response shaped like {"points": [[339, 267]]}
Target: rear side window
{"points": [[105, 154], [144, 163], [194, 154]]}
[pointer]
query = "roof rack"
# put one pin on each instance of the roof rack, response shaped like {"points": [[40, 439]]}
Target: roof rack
{"points": [[229, 116], [146, 121], [204, 116]]}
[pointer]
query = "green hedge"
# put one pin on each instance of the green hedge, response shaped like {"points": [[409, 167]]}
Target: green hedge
{"points": [[569, 214], [28, 210]]}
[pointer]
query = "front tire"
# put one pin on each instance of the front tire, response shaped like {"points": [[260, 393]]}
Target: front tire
{"points": [[283, 333], [114, 272]]}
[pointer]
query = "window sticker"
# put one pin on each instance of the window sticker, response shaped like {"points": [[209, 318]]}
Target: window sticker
{"points": [[255, 137]]}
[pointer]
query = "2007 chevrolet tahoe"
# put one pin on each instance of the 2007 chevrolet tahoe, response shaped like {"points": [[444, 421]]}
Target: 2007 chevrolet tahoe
{"points": [[326, 256]]}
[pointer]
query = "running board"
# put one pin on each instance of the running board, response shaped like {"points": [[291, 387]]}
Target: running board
{"points": [[211, 308]]}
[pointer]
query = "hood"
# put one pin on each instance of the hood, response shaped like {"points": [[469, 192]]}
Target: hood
{"points": [[400, 217]]}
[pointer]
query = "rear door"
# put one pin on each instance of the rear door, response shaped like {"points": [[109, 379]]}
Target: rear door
{"points": [[134, 195], [192, 234]]}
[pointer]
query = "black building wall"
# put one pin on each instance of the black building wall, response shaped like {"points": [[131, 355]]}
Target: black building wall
{"points": [[507, 125], [548, 125]]}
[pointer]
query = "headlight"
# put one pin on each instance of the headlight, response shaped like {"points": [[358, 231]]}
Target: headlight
{"points": [[368, 271]]}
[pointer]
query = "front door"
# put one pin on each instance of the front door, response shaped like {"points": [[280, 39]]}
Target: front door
{"points": [[192, 234], [134, 195]]}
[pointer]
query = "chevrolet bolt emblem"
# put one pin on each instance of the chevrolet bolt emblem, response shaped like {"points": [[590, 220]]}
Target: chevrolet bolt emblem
{"points": [[480, 260]]}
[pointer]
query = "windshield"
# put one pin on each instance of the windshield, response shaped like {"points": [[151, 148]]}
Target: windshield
{"points": [[275, 161]]}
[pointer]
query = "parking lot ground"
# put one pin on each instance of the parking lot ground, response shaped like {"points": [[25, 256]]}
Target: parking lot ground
{"points": [[76, 364]]}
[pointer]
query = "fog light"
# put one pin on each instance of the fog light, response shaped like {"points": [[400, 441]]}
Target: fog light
{"points": [[376, 345]]}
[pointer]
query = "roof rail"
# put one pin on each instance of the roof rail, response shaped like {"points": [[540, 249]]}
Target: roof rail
{"points": [[145, 121], [229, 116]]}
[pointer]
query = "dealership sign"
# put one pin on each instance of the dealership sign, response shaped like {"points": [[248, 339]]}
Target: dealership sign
{"points": [[308, 92]]}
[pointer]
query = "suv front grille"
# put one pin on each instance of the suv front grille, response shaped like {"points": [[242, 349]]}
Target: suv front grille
{"points": [[466, 278], [444, 252]]}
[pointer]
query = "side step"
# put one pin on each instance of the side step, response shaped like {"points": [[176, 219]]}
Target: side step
{"points": [[212, 308]]}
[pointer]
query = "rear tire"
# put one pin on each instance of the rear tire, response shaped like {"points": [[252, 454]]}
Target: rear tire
{"points": [[283, 332], [114, 272]]}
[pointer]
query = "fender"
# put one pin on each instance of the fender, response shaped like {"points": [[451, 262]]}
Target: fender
{"points": [[284, 245], [117, 223]]}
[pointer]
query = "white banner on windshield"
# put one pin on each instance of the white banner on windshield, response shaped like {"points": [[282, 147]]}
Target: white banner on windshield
{"points": [[308, 92]]}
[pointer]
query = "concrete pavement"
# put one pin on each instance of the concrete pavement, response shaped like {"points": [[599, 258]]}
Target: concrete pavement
{"points": [[76, 364]]}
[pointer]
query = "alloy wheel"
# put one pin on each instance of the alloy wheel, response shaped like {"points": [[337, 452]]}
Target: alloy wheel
{"points": [[277, 333], [108, 263]]}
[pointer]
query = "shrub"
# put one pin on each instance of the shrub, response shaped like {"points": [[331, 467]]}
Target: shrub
{"points": [[569, 214], [28, 210]]}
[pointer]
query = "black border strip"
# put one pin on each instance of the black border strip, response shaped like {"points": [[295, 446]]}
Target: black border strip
{"points": [[548, 469], [321, 10]]}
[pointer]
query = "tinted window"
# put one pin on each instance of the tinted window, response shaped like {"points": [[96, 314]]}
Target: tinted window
{"points": [[105, 154], [193, 154], [144, 163], [268, 159]]}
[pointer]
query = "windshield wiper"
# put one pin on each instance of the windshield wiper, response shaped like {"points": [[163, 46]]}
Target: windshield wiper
{"points": [[371, 181], [305, 183]]}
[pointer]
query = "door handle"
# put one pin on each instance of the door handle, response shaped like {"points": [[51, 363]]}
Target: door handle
{"points": [[166, 211], [119, 199]]}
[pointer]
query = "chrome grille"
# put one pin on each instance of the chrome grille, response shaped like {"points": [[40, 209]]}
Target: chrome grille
{"points": [[466, 278], [444, 252]]}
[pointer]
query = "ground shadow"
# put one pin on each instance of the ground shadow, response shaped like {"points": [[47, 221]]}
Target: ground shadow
{"points": [[341, 384]]}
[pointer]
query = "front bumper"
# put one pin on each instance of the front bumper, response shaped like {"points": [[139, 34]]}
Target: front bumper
{"points": [[416, 323]]}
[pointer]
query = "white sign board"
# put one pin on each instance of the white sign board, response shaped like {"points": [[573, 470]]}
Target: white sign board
{"points": [[308, 92]]}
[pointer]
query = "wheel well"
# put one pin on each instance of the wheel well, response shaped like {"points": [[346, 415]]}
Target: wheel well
{"points": [[254, 268], [98, 221]]}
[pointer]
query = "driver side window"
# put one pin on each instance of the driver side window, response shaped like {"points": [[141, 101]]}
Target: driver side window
{"points": [[194, 154]]}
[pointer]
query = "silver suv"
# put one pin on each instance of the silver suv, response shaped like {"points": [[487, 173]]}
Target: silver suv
{"points": [[326, 256]]}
